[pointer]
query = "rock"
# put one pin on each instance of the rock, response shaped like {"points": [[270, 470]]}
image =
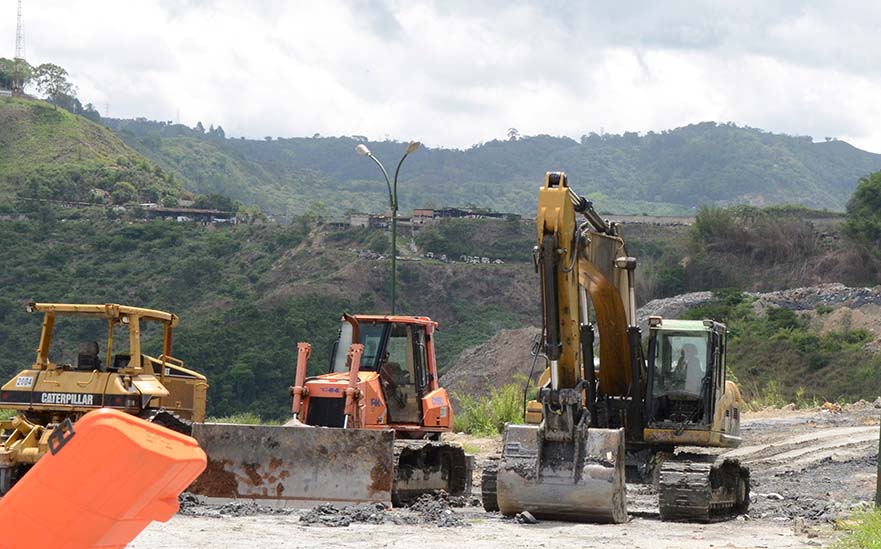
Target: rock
{"points": [[525, 517], [333, 516], [789, 407], [774, 496], [436, 508], [877, 403]]}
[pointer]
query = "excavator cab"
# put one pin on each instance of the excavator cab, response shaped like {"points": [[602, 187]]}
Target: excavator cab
{"points": [[688, 399]]}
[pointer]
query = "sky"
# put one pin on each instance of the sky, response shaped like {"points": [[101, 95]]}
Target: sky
{"points": [[456, 73]]}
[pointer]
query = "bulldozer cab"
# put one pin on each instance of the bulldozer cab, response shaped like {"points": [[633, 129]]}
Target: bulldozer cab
{"points": [[395, 349], [686, 371], [91, 355]]}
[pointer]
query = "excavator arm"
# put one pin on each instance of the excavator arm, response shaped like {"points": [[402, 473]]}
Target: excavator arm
{"points": [[567, 466]]}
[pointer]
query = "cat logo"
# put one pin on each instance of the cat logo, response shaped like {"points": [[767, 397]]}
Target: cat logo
{"points": [[71, 399]]}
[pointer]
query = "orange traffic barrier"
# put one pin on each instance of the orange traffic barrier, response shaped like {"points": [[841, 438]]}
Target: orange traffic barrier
{"points": [[106, 478]]}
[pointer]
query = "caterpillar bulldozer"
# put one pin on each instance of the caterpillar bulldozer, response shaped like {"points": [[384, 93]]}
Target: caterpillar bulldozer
{"points": [[59, 388], [366, 430], [662, 417]]}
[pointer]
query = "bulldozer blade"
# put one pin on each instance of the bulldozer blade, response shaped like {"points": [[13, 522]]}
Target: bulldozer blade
{"points": [[295, 466], [582, 482]]}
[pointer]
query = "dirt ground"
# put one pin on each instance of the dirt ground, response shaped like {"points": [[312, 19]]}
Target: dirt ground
{"points": [[808, 468]]}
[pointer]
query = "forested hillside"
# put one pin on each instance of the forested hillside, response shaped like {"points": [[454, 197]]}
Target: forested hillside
{"points": [[49, 153], [247, 294], [669, 172]]}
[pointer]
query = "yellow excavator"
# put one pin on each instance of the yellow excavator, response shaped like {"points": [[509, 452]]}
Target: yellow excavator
{"points": [[656, 415]]}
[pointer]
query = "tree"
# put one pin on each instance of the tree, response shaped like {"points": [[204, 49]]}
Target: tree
{"points": [[199, 127], [91, 113], [864, 211], [123, 193], [513, 134], [14, 70], [169, 201], [215, 201], [7, 73], [51, 81]]}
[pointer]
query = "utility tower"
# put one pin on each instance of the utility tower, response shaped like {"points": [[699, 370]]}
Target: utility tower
{"points": [[18, 83]]}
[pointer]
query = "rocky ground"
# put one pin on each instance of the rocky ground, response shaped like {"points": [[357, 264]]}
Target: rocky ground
{"points": [[808, 469]]}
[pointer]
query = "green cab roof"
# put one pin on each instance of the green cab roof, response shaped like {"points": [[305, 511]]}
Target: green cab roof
{"points": [[682, 325]]}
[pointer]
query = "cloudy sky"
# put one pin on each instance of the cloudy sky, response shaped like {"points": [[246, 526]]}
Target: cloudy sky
{"points": [[457, 73]]}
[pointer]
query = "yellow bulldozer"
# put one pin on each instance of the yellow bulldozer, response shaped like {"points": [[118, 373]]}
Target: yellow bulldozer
{"points": [[60, 387]]}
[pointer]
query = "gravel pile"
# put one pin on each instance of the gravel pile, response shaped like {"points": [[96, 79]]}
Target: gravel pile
{"points": [[437, 509], [192, 505], [366, 513]]}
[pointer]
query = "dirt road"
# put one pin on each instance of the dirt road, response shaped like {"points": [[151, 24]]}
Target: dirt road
{"points": [[808, 468]]}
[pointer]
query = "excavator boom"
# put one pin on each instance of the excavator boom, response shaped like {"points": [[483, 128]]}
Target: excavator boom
{"points": [[564, 467]]}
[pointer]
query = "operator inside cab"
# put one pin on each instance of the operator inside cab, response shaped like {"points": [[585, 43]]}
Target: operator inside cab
{"points": [[684, 374]]}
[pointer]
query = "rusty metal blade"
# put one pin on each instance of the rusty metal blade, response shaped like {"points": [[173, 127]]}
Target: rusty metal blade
{"points": [[546, 479], [295, 466]]}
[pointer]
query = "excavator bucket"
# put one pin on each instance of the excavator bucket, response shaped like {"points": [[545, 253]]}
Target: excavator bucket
{"points": [[289, 466], [579, 481]]}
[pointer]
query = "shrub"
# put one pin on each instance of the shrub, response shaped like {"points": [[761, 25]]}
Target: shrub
{"points": [[488, 415]]}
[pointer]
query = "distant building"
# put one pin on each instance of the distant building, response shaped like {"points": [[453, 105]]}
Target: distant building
{"points": [[359, 220], [472, 213], [422, 216]]}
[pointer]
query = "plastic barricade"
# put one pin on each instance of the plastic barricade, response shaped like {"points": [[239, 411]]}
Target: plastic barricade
{"points": [[106, 478]]}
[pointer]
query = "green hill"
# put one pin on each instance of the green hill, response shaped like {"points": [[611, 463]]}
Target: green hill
{"points": [[247, 294], [670, 172], [50, 153]]}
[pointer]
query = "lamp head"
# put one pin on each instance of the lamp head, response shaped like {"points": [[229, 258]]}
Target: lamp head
{"points": [[362, 149], [413, 146]]}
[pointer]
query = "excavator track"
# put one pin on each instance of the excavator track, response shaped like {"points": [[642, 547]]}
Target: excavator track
{"points": [[489, 485], [423, 466], [702, 488]]}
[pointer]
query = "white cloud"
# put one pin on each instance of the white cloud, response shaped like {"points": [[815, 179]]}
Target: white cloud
{"points": [[456, 73]]}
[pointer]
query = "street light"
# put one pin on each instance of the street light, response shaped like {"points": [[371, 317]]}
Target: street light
{"points": [[393, 200]]}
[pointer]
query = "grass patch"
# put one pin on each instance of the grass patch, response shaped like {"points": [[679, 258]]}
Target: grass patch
{"points": [[244, 418], [863, 531], [488, 415], [469, 448], [7, 414]]}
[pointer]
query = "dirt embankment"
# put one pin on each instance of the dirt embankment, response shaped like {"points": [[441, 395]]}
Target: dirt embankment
{"points": [[828, 307], [493, 364]]}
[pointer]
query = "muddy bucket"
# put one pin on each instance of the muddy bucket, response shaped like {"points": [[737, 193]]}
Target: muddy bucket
{"points": [[578, 481], [295, 466]]}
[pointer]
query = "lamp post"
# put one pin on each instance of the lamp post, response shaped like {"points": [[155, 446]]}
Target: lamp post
{"points": [[393, 201]]}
